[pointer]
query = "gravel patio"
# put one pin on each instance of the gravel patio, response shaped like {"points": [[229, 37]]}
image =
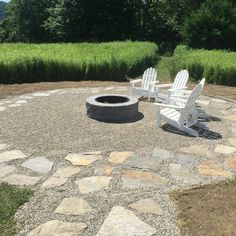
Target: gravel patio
{"points": [[94, 178]]}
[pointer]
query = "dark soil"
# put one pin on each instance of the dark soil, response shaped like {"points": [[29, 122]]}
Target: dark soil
{"points": [[209, 210]]}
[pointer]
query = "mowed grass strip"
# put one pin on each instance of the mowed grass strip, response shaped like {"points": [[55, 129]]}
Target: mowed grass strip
{"points": [[218, 66], [21, 63], [11, 198]]}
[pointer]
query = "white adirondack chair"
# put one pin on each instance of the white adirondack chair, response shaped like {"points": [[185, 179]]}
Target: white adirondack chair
{"points": [[184, 94], [180, 82], [147, 84], [182, 116]]}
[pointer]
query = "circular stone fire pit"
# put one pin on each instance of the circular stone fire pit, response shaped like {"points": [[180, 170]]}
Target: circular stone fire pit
{"points": [[113, 108]]}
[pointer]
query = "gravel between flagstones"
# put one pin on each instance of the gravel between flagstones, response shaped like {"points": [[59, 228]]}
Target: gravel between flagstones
{"points": [[56, 125]]}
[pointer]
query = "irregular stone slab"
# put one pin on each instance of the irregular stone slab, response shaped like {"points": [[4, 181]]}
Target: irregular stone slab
{"points": [[41, 94], [21, 102], [139, 179], [11, 155], [104, 170], [147, 206], [73, 206], [2, 108], [93, 184], [162, 154], [14, 105], [203, 102], [119, 157], [186, 160], [212, 168], [67, 171], [185, 176], [200, 150], [152, 164], [217, 100], [3, 146], [83, 159], [232, 141], [6, 170], [231, 162], [53, 182], [59, 228], [38, 164], [123, 222], [223, 149], [21, 180], [233, 130], [26, 97], [61, 176], [231, 118]]}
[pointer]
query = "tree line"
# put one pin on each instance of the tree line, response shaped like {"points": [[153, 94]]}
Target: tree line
{"points": [[207, 24]]}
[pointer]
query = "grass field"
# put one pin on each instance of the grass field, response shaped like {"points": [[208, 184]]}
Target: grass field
{"points": [[218, 66], [11, 198], [21, 63]]}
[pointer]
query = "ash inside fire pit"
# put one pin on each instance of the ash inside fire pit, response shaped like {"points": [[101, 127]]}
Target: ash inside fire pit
{"points": [[113, 108]]}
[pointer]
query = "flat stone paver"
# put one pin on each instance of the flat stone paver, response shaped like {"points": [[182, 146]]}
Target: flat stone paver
{"points": [[152, 164], [186, 160], [38, 164], [15, 105], [119, 157], [213, 168], [230, 118], [148, 206], [73, 206], [200, 150], [41, 94], [61, 176], [232, 141], [2, 108], [21, 102], [218, 100], [11, 155], [3, 146], [21, 180], [6, 170], [162, 154], [185, 176], [123, 222], [223, 149], [93, 184], [103, 170], [139, 179], [59, 228], [83, 159], [203, 102], [231, 162]]}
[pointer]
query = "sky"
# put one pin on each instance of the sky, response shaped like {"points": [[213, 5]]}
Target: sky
{"points": [[5, 0]]}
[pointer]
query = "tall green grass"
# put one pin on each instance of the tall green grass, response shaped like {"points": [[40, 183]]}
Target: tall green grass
{"points": [[20, 63], [218, 66]]}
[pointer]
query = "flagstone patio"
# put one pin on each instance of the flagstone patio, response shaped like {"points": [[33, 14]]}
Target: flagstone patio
{"points": [[93, 178]]}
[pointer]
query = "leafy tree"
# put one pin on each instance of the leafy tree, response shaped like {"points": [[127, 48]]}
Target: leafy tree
{"points": [[212, 26], [2, 10]]}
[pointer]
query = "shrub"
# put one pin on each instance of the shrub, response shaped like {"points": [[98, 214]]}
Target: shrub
{"points": [[218, 66], [24, 63]]}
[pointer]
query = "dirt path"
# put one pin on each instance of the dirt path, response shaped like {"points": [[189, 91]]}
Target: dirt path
{"points": [[17, 89]]}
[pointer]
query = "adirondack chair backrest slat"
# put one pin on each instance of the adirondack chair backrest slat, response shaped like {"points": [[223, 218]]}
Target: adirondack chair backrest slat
{"points": [[149, 76], [181, 79]]}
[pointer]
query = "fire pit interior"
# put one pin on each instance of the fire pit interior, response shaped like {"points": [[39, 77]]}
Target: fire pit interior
{"points": [[113, 108]]}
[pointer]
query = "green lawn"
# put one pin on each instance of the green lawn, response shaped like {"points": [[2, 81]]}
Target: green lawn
{"points": [[11, 198]]}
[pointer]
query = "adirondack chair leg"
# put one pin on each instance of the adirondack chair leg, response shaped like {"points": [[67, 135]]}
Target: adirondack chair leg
{"points": [[158, 117], [190, 131]]}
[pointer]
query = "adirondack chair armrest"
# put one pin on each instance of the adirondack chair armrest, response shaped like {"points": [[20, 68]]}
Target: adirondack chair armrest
{"points": [[163, 85], [133, 82], [168, 106], [152, 84], [182, 88]]}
